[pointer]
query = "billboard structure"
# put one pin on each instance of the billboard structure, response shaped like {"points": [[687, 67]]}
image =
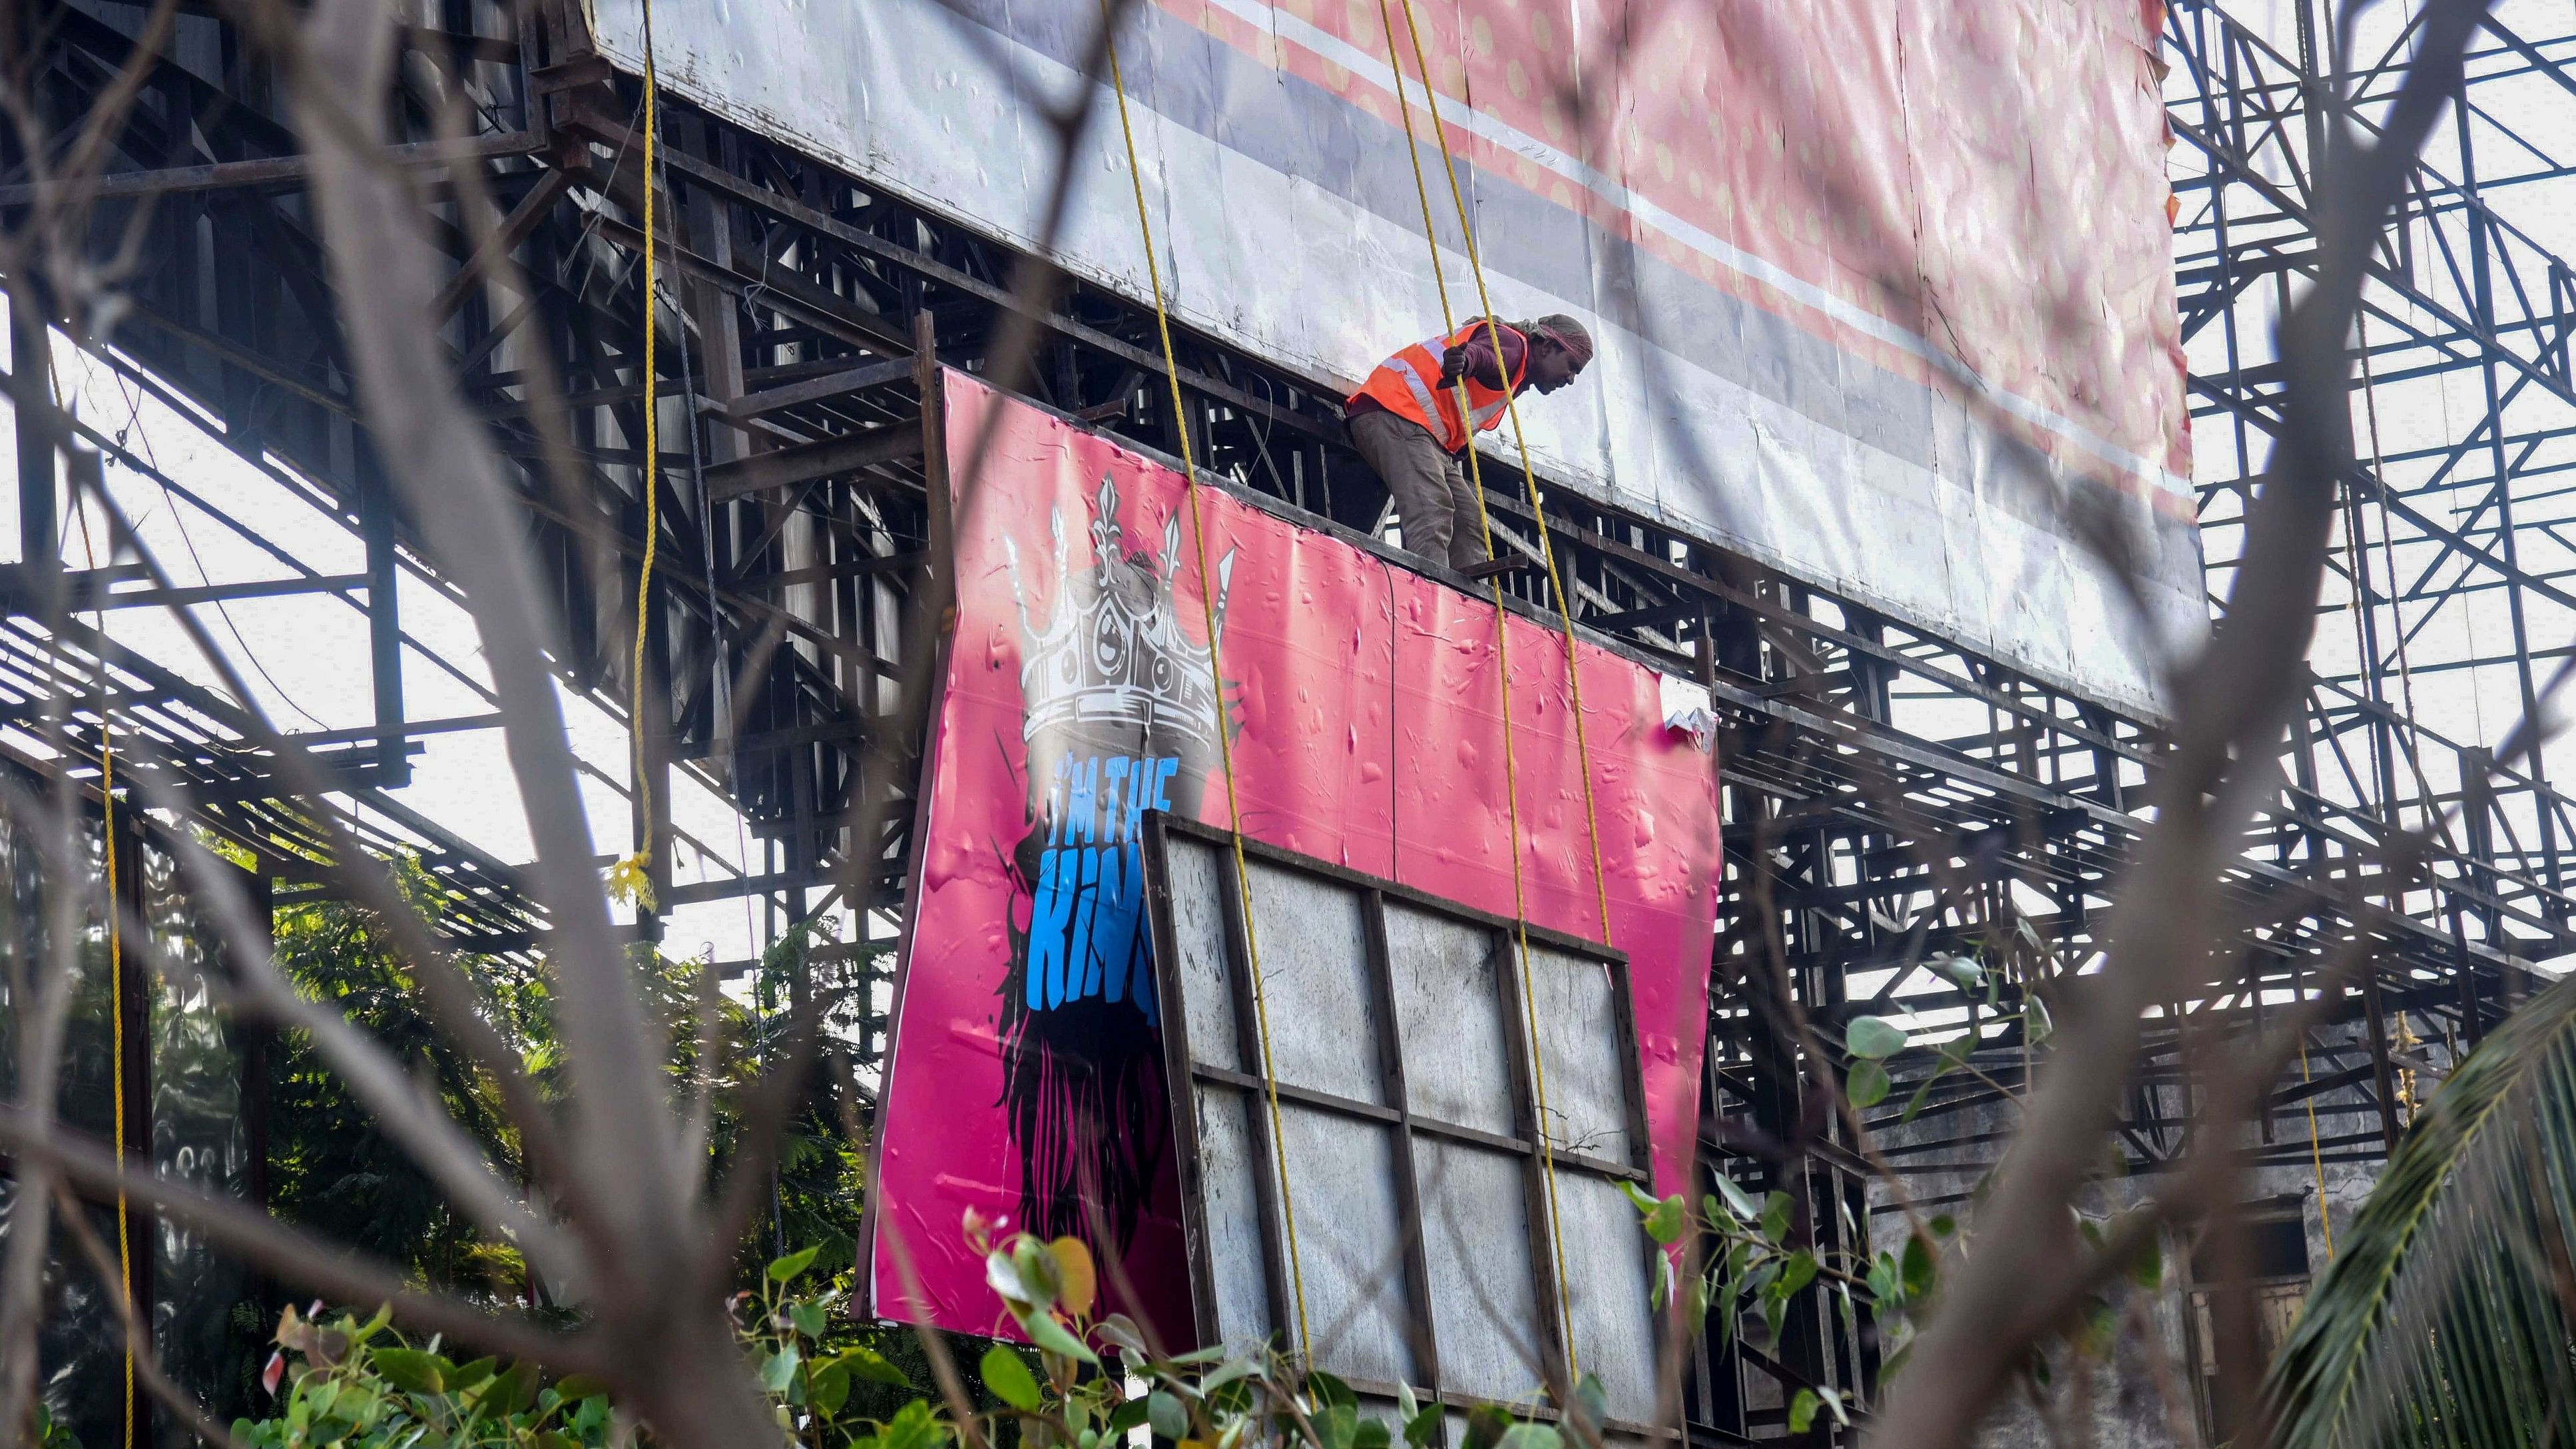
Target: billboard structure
{"points": [[1025, 1079], [1865, 314]]}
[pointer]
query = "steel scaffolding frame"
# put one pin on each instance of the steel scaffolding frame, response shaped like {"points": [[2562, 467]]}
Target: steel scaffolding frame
{"points": [[1891, 797]]}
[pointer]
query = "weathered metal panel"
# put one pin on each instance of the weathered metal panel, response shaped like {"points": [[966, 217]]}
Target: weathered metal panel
{"points": [[1858, 319], [1350, 1243], [1199, 929], [1609, 1277], [1585, 1055], [1314, 970], [1484, 1290], [1448, 1013], [1230, 1168]]}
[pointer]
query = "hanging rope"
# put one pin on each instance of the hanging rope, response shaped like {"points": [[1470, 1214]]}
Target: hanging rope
{"points": [[633, 874], [115, 951], [1502, 657], [1529, 475], [1216, 676]]}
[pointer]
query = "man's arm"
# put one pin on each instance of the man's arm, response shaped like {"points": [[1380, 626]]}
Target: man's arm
{"points": [[1476, 359]]}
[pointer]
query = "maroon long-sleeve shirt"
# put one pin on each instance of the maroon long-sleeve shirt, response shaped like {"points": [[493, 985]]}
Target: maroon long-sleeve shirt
{"points": [[1481, 366]]}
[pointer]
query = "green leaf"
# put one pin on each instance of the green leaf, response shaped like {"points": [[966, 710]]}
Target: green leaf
{"points": [[1776, 1211], [1802, 1411], [809, 1317], [1406, 1405], [2440, 1316], [1964, 972], [1372, 1434], [913, 1427], [1942, 1225], [410, 1370], [1127, 1416], [1873, 1036], [1666, 1222], [1796, 1274], [1328, 1390], [1591, 1408], [466, 1376], [788, 1267], [1226, 1373], [1420, 1426], [779, 1370], [1922, 1094], [873, 1366], [1866, 1085], [2036, 1027], [1486, 1425], [1921, 1268], [1336, 1425], [576, 1387], [1008, 1376], [1886, 1280], [1736, 1202], [1048, 1333], [1531, 1436], [828, 1387], [1119, 1332], [1167, 1416], [1037, 1267]]}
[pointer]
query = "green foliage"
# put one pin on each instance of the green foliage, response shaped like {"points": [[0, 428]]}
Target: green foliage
{"points": [[2446, 1316], [360, 1385], [330, 1167]]}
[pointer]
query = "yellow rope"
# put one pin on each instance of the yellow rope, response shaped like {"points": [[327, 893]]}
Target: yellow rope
{"points": [[1216, 676], [1529, 475], [1502, 656], [2316, 1150], [642, 860], [115, 959]]}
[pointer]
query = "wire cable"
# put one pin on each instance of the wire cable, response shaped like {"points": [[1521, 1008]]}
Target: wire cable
{"points": [[1216, 676]]}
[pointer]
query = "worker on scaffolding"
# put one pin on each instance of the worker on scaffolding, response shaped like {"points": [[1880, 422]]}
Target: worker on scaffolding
{"points": [[1406, 420]]}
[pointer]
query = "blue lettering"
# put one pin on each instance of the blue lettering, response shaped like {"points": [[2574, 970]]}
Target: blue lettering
{"points": [[1113, 930], [1113, 773], [1047, 935], [1079, 938], [1082, 804]]}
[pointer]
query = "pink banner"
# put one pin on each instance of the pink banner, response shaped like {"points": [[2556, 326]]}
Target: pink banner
{"points": [[1026, 1077]]}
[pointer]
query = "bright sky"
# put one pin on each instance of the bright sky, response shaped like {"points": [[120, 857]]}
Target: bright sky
{"points": [[305, 656]]}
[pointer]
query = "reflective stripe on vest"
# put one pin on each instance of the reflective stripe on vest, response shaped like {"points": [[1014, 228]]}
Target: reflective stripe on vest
{"points": [[1407, 384]]}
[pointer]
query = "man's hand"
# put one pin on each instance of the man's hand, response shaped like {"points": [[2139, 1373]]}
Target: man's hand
{"points": [[1453, 365]]}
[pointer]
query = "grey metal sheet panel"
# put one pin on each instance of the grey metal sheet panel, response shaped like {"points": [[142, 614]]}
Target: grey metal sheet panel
{"points": [[1585, 1056], [1315, 975], [1198, 884], [1229, 1173], [1449, 1018], [1608, 1283], [1484, 1293], [1350, 1243]]}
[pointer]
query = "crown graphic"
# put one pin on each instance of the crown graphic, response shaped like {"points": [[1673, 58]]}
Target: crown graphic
{"points": [[1112, 658]]}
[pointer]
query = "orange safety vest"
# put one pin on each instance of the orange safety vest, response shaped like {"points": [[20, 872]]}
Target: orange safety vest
{"points": [[1408, 384]]}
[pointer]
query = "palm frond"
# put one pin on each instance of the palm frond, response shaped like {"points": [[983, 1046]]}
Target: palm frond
{"points": [[2446, 1319]]}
